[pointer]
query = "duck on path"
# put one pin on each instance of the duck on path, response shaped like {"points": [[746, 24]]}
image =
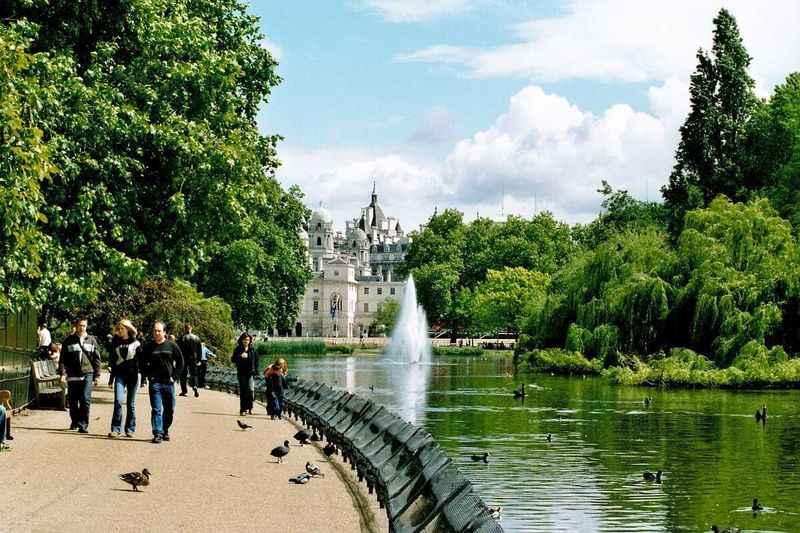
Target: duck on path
{"points": [[136, 479], [329, 449], [649, 476], [484, 457], [315, 437], [302, 437], [279, 452]]}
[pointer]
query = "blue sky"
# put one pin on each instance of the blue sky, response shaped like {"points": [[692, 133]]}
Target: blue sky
{"points": [[484, 105]]}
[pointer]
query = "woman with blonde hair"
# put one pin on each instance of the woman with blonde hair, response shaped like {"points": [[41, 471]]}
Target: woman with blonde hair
{"points": [[275, 378], [123, 362]]}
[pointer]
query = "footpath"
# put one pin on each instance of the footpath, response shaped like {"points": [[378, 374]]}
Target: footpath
{"points": [[211, 476]]}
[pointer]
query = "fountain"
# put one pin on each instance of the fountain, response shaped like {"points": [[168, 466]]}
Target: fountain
{"points": [[410, 342]]}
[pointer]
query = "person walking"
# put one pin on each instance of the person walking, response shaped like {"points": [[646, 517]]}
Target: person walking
{"points": [[79, 367], [244, 359], [44, 340], [161, 363], [192, 351], [205, 354], [275, 379], [3, 419], [123, 362]]}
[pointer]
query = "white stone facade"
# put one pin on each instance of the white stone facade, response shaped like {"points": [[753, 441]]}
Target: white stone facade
{"points": [[353, 272]]}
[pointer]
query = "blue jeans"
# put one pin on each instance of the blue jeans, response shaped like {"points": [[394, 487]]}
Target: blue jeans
{"points": [[162, 403], [80, 400], [121, 383], [2, 424]]}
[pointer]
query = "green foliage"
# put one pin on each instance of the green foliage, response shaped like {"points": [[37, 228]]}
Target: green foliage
{"points": [[149, 115], [468, 351], [386, 316], [499, 301], [559, 362], [711, 154], [282, 348]]}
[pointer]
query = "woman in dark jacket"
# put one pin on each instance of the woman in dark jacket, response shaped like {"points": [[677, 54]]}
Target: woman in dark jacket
{"points": [[123, 361], [244, 357]]}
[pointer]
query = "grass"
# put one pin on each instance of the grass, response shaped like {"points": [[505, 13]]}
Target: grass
{"points": [[472, 351]]}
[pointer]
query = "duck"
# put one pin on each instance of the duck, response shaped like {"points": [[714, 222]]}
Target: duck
{"points": [[243, 425], [496, 512], [279, 452], [761, 414], [315, 437], [484, 457], [300, 479], [372, 388], [520, 392], [329, 449], [757, 506], [647, 401], [649, 476], [715, 529], [302, 437], [313, 470], [549, 437], [136, 479]]}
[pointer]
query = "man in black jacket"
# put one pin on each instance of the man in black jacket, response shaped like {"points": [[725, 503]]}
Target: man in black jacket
{"points": [[161, 363], [79, 366], [192, 350]]}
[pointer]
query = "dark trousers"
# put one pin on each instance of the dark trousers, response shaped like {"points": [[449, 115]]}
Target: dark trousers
{"points": [[201, 374], [80, 400], [188, 372], [245, 393], [274, 404], [162, 407]]}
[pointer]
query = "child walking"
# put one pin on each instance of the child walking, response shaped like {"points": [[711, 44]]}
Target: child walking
{"points": [[275, 377]]}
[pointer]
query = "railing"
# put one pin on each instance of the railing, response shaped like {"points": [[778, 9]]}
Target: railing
{"points": [[416, 483], [15, 375]]}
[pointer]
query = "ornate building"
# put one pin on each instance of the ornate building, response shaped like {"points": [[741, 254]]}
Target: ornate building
{"points": [[354, 272]]}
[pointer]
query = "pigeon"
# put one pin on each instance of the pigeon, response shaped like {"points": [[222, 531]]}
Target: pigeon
{"points": [[649, 476], [315, 437], [329, 449], [243, 425], [313, 470], [757, 506], [478, 458], [136, 479], [302, 437], [300, 479], [496, 512], [279, 452]]}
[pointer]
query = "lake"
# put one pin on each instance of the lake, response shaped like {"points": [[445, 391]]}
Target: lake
{"points": [[716, 458]]}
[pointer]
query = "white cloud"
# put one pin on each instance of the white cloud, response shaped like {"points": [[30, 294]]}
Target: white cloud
{"points": [[437, 127], [546, 147], [631, 41], [415, 10]]}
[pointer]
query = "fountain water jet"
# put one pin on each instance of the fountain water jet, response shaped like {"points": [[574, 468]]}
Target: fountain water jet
{"points": [[410, 342]]}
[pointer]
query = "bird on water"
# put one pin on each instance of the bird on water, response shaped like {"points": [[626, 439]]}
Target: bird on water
{"points": [[496, 512], [761, 414], [757, 506], [136, 479], [549, 437], [242, 425], [649, 476], [715, 529], [520, 392], [279, 452], [484, 457], [302, 437]]}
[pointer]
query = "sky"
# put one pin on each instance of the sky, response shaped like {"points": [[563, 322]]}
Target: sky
{"points": [[493, 107]]}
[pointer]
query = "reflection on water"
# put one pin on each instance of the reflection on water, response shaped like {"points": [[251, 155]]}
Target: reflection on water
{"points": [[716, 458]]}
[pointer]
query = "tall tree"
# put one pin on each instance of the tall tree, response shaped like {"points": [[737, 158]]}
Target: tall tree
{"points": [[710, 156]]}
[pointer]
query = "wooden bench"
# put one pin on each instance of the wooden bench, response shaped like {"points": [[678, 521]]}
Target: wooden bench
{"points": [[47, 382]]}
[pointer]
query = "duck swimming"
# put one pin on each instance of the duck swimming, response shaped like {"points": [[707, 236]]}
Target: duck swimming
{"points": [[520, 392], [761, 414], [649, 476], [757, 506], [715, 529], [478, 458]]}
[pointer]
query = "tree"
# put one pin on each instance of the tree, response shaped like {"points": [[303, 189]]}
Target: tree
{"points": [[498, 303], [710, 155], [387, 314]]}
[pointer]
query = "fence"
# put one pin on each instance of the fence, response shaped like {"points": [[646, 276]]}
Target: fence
{"points": [[17, 348], [415, 482]]}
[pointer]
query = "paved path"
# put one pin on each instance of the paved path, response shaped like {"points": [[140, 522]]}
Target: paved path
{"points": [[210, 477]]}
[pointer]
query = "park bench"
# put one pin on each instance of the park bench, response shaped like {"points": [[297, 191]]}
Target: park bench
{"points": [[47, 382]]}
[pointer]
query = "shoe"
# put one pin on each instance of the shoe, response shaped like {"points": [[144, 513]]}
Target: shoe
{"points": [[129, 434], [83, 430], [249, 411], [165, 437], [242, 413], [113, 434], [182, 394], [73, 427], [9, 437], [156, 439], [196, 394]]}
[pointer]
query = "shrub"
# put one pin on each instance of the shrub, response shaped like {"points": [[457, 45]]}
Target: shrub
{"points": [[472, 351], [279, 348], [560, 362]]}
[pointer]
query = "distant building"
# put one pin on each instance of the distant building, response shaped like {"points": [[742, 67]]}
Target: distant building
{"points": [[353, 272]]}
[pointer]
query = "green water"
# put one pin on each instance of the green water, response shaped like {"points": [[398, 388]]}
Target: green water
{"points": [[715, 456]]}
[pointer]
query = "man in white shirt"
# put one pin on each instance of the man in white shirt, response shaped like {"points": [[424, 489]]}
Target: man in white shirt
{"points": [[44, 340]]}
